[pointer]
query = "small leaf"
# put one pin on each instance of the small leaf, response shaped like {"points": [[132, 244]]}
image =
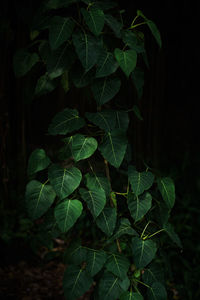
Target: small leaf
{"points": [[67, 213], [106, 64], [118, 265], [105, 89], [137, 112], [76, 282], [109, 287], [157, 292], [23, 62], [94, 18], [66, 121], [124, 228], [114, 24], [140, 181], [143, 251], [106, 221], [44, 85], [38, 161], [113, 147], [131, 296], [167, 190], [39, 198], [134, 41], [95, 199], [127, 60], [104, 119], [172, 234], [95, 260], [97, 181], [80, 77], [64, 181], [60, 31], [139, 206], [83, 147]]}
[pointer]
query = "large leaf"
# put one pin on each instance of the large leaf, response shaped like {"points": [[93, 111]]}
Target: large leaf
{"points": [[113, 147], [23, 62], [139, 205], [157, 292], [105, 89], [97, 181], [133, 41], [167, 190], [38, 161], [114, 24], [109, 287], [95, 199], [131, 296], [106, 64], [87, 49], [82, 147], [67, 213], [140, 181], [39, 197], [105, 119], [60, 31], [63, 180], [76, 282], [127, 60], [124, 228], [95, 260], [106, 221], [94, 18], [118, 265], [44, 85], [66, 121], [143, 251]]}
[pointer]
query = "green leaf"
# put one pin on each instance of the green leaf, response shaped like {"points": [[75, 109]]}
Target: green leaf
{"points": [[44, 85], [137, 112], [95, 199], [114, 24], [152, 274], [75, 254], [167, 190], [140, 181], [105, 89], [138, 80], [106, 221], [67, 213], [122, 120], [97, 181], [95, 260], [76, 282], [38, 161], [60, 31], [109, 287], [106, 64], [118, 265], [172, 234], [105, 5], [66, 121], [113, 147], [131, 296], [127, 60], [87, 49], [94, 18], [105, 119], [134, 41], [143, 251], [82, 147], [80, 77], [124, 228], [139, 206], [157, 292], [64, 181], [23, 62], [39, 198]]}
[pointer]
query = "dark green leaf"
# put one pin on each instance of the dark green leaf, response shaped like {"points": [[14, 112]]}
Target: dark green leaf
{"points": [[157, 292], [94, 18], [152, 274], [138, 80], [122, 120], [55, 4], [95, 260], [139, 206], [140, 181], [172, 234], [124, 228], [104, 5], [118, 265], [24, 61], [114, 24], [106, 221], [143, 251], [137, 112], [75, 254], [106, 64], [44, 85], [127, 60], [82, 147], [105, 119], [38, 161], [131, 296], [133, 41], [80, 77], [97, 181], [167, 190], [109, 287]]}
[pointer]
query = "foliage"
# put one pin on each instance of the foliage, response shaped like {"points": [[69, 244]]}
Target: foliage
{"points": [[87, 45]]}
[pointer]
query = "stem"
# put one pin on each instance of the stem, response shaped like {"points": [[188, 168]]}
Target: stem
{"points": [[134, 20], [46, 182], [145, 228], [149, 236], [142, 283], [118, 246], [136, 25]]}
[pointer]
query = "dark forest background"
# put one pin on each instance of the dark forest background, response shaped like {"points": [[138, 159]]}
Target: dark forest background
{"points": [[168, 138]]}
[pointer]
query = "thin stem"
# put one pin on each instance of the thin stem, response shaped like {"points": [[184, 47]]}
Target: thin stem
{"points": [[148, 286], [118, 246], [46, 182], [149, 236], [136, 25], [145, 228], [134, 20]]}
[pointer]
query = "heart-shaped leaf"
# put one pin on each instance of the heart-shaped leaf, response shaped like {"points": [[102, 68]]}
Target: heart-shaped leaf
{"points": [[118, 265], [95, 199], [95, 260], [157, 292], [134, 41], [127, 60], [113, 147], [140, 181], [106, 221], [94, 18], [105, 119], [124, 227], [66, 121], [82, 147], [105, 89], [45, 85], [139, 206], [23, 62], [60, 31], [109, 287], [152, 274], [143, 251], [167, 190], [39, 198], [67, 213], [106, 64], [97, 181], [63, 180], [38, 161]]}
